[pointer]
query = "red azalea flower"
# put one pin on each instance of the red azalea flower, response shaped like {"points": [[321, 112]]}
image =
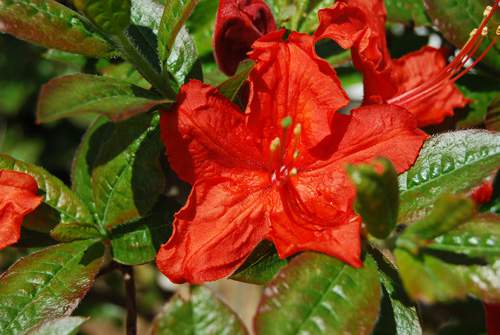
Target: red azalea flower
{"points": [[419, 81], [492, 319], [483, 193], [239, 23], [17, 199], [276, 171]]}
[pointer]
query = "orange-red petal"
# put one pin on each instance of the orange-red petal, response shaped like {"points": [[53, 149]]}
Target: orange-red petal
{"points": [[290, 80], [217, 229], [206, 135], [492, 318], [17, 199]]}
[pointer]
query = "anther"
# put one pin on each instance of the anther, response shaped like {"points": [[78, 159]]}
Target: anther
{"points": [[296, 154], [275, 144], [286, 122], [498, 30], [485, 31], [293, 172], [473, 32], [297, 129], [487, 10]]}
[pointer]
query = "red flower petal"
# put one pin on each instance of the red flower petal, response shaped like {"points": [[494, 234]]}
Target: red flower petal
{"points": [[360, 24], [239, 23], [198, 139], [290, 80], [492, 318], [222, 222], [17, 199]]}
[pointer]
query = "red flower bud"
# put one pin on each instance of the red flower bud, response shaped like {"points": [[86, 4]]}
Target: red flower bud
{"points": [[239, 23]]}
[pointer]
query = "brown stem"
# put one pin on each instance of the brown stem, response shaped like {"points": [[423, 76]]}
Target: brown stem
{"points": [[128, 279]]}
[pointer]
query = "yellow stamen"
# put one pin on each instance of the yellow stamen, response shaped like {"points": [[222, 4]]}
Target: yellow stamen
{"points": [[487, 10], [293, 172], [286, 122], [485, 31], [275, 144], [297, 130], [296, 154]]}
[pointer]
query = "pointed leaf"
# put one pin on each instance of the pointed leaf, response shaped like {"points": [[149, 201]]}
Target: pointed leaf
{"points": [[138, 242], [47, 284], [127, 177], [448, 163], [202, 314], [316, 293], [429, 279], [111, 16], [377, 195], [174, 17], [52, 25], [492, 121], [478, 238], [62, 326], [201, 25], [82, 94], [447, 213], [482, 93], [456, 19], [407, 11], [261, 266], [231, 87], [182, 62]]}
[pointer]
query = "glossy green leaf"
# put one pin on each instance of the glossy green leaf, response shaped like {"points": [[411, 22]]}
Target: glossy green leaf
{"points": [[56, 194], [202, 314], [72, 60], [82, 94], [84, 160], [174, 17], [398, 314], [52, 25], [456, 19], [125, 72], [492, 121], [62, 326], [47, 284], [182, 62], [480, 237], [127, 177], [377, 195], [481, 91], [318, 294], [112, 16], [429, 279], [138, 242], [201, 25], [310, 21], [147, 13], [407, 11], [448, 163], [231, 87], [261, 266], [447, 213]]}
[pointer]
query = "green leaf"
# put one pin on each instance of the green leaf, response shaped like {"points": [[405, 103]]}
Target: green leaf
{"points": [[138, 242], [201, 25], [407, 11], [127, 177], [448, 163], [310, 22], [399, 314], [456, 19], [377, 195], [147, 13], [52, 25], [62, 326], [447, 213], [72, 60], [202, 314], [261, 266], [112, 16], [47, 284], [182, 62], [479, 237], [429, 279], [125, 72], [482, 93], [82, 94], [316, 293], [231, 87], [84, 160], [56, 194], [174, 17], [492, 121]]}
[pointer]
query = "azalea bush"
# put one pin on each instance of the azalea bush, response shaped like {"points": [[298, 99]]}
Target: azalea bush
{"points": [[341, 155]]}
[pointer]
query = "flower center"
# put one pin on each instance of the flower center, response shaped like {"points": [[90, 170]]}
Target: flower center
{"points": [[458, 67], [281, 159]]}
